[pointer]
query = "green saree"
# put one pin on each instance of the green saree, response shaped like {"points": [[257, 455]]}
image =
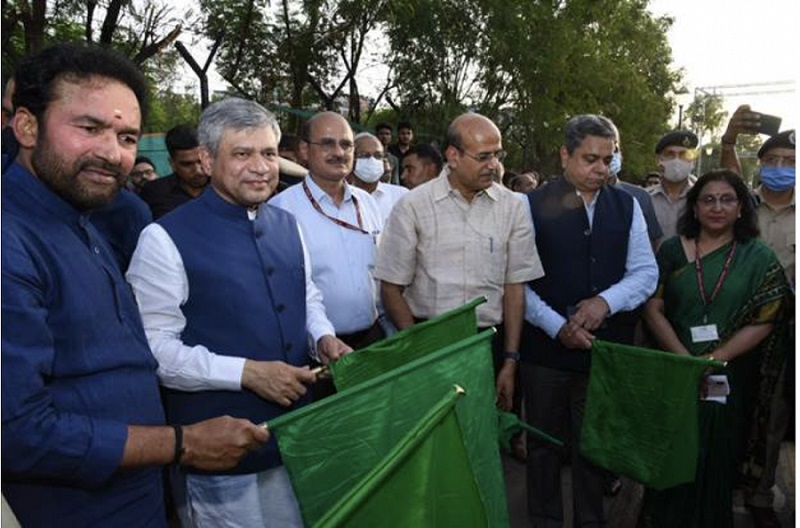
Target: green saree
{"points": [[732, 435]]}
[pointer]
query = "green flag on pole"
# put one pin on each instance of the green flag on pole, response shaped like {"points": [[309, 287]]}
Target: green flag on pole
{"points": [[333, 448], [406, 346], [641, 413], [429, 467]]}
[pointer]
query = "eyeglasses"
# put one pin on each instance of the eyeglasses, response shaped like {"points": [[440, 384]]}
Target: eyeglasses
{"points": [[483, 157], [778, 161], [723, 201], [330, 144], [365, 155]]}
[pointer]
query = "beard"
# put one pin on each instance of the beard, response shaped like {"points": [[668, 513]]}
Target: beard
{"points": [[66, 180]]}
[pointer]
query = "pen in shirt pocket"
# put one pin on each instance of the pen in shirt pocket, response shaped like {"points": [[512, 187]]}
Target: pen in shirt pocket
{"points": [[491, 244]]}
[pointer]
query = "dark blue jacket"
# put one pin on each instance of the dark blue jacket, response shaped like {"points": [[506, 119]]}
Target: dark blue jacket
{"points": [[579, 262], [246, 299]]}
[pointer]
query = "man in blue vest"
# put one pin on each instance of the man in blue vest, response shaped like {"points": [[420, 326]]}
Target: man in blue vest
{"points": [[599, 268], [225, 292], [83, 426]]}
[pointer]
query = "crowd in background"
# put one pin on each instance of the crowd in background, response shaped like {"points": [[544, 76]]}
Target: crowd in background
{"points": [[156, 320]]}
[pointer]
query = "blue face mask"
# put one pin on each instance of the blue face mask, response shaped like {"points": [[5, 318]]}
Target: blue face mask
{"points": [[616, 164], [777, 178]]}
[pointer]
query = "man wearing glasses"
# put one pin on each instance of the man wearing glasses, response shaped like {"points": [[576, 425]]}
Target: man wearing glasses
{"points": [[675, 155], [458, 237], [340, 225]]}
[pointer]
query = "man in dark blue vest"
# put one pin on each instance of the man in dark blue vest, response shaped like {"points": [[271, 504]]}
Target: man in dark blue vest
{"points": [[226, 297], [599, 268]]}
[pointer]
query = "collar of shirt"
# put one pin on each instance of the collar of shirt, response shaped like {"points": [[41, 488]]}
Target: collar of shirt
{"points": [[757, 192], [380, 189], [321, 196], [589, 206], [442, 188], [658, 189]]}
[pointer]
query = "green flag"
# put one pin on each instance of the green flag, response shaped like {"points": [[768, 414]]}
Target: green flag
{"points": [[428, 467], [641, 413], [332, 447], [406, 346]]}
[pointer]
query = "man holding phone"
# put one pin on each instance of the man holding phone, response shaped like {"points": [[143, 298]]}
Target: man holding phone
{"points": [[776, 221]]}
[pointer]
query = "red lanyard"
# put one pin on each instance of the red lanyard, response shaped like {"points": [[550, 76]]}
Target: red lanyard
{"points": [[722, 275], [342, 223]]}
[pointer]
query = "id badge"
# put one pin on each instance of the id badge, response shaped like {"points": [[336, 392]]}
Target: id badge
{"points": [[704, 333]]}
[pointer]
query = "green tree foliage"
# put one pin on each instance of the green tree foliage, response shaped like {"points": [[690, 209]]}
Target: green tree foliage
{"points": [[141, 29], [299, 54], [707, 116], [532, 65]]}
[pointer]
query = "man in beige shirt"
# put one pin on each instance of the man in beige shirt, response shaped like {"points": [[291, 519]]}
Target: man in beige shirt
{"points": [[460, 236]]}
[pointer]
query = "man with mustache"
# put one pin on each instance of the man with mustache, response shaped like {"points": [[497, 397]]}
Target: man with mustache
{"points": [[188, 179], [82, 423], [458, 237], [341, 224], [225, 292]]}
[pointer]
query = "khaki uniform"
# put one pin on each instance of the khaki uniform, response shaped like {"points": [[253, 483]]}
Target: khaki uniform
{"points": [[777, 228], [668, 211]]}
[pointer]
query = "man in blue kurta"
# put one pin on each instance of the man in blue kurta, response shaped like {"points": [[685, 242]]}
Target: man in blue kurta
{"points": [[599, 267], [82, 423], [225, 292]]}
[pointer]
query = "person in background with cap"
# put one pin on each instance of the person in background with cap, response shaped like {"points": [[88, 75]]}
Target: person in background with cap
{"points": [[675, 155], [776, 221]]}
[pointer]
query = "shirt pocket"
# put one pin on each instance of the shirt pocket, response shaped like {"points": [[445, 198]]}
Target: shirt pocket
{"points": [[491, 259]]}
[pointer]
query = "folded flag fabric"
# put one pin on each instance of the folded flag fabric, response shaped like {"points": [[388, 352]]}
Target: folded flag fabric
{"points": [[641, 413], [406, 346], [333, 448], [509, 424], [429, 467]]}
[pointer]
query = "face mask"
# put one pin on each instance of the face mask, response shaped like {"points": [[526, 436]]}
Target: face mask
{"points": [[777, 178], [676, 170], [368, 169], [616, 164]]}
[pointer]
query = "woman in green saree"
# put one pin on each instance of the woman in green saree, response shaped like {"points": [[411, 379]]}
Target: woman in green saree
{"points": [[720, 292]]}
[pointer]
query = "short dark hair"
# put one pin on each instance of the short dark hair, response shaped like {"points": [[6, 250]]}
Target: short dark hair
{"points": [[404, 124], [383, 126], [181, 137], [746, 226], [581, 126], [143, 159], [427, 152], [38, 74]]}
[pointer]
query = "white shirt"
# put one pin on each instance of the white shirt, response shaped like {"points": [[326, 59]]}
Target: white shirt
{"points": [[342, 259], [636, 286], [158, 278], [386, 195]]}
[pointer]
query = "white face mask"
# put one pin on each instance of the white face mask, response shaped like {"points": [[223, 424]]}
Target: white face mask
{"points": [[676, 170], [368, 169]]}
